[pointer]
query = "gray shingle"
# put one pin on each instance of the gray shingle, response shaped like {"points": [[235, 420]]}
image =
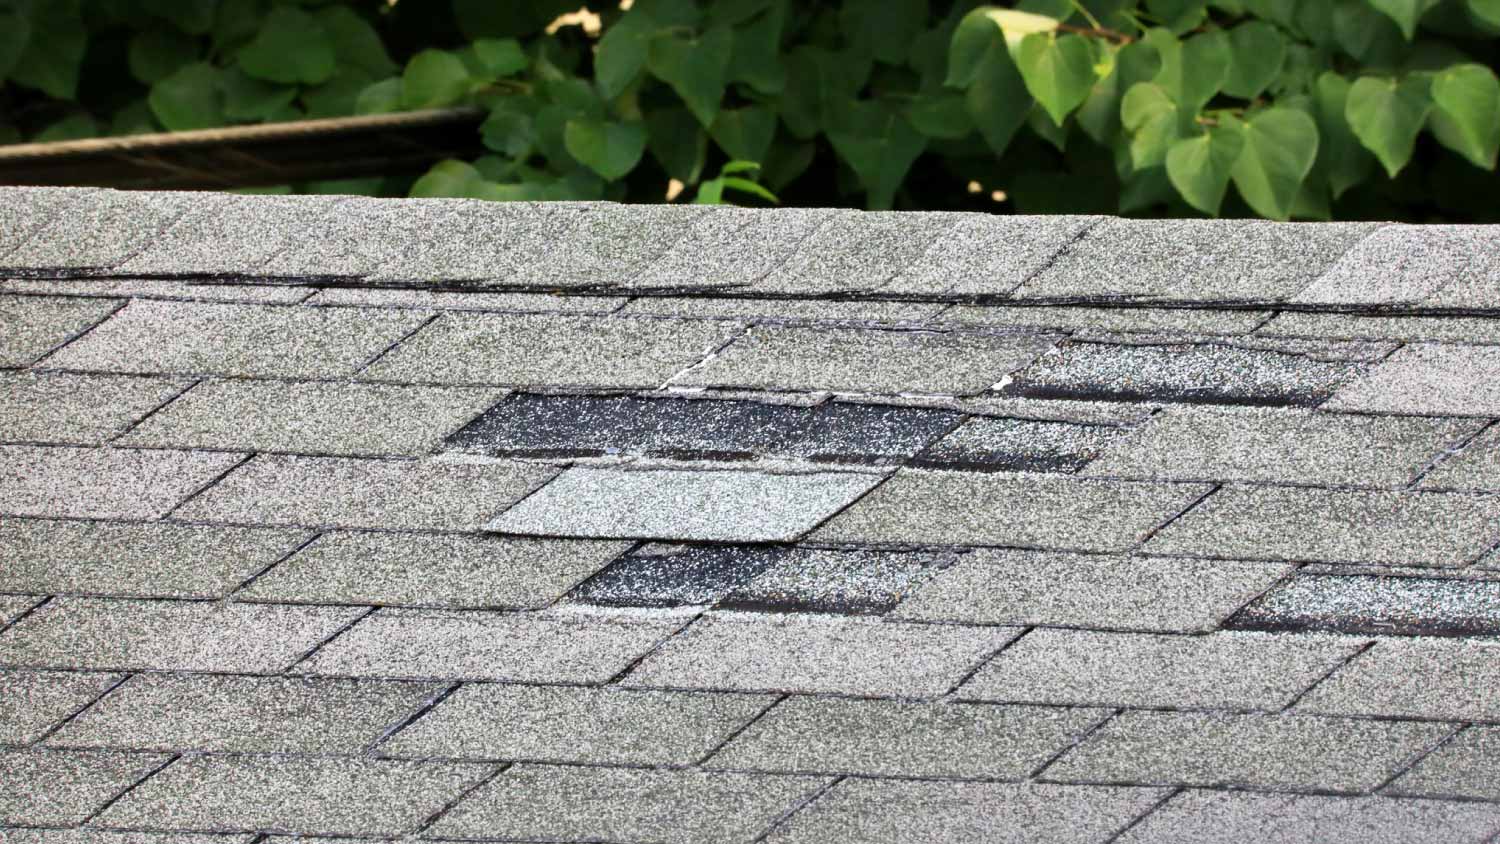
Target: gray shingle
{"points": [[433, 571], [1064, 410], [32, 326], [1415, 678], [228, 235], [886, 738], [811, 653], [1249, 671], [661, 575], [1430, 264], [102, 836], [103, 229], [1429, 379], [1194, 260], [310, 795], [12, 607], [103, 483], [1388, 528], [1021, 445], [558, 351], [1462, 329], [733, 247], [516, 647], [1211, 373], [1075, 590], [156, 288], [78, 409], [354, 492], [1257, 751], [783, 310], [1476, 467], [1467, 766], [536, 802], [606, 248], [563, 724], [856, 251], [468, 300], [358, 236], [1371, 604], [270, 714], [1264, 444], [849, 582], [956, 508], [865, 361], [26, 210], [32, 702], [143, 560], [1228, 817], [465, 240], [96, 633], [238, 340], [987, 255], [686, 504], [319, 418], [64, 787], [1184, 320], [896, 812]]}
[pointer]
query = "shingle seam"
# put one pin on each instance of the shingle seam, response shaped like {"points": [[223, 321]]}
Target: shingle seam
{"points": [[797, 807], [239, 588], [129, 788], [708, 356], [463, 794], [619, 676], [1448, 453], [1150, 810], [1418, 756], [333, 208], [984, 660], [1286, 578], [430, 703], [1318, 681], [162, 405], [212, 482], [80, 710], [1163, 525], [740, 730], [1369, 232], [120, 305], [396, 344], [1230, 787], [1064, 250], [39, 226], [41, 602], [325, 641]]}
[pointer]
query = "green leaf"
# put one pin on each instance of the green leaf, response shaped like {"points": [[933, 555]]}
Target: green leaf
{"points": [[622, 52], [1059, 72], [1467, 114], [434, 78], [236, 22], [1150, 117], [510, 128], [355, 42], [1257, 53], [157, 53], [879, 146], [883, 28], [610, 149], [448, 178], [1386, 116], [1045, 129], [696, 68], [501, 57], [189, 99], [71, 128], [195, 17], [1200, 167], [941, 115], [1178, 15], [747, 186], [1487, 11], [291, 47], [54, 54], [1341, 157], [817, 79], [15, 31], [383, 97], [744, 133], [998, 100], [1099, 116], [967, 48], [1192, 71], [677, 143], [246, 98], [1366, 34], [1281, 145], [756, 60], [1015, 25], [338, 96], [1405, 13]]}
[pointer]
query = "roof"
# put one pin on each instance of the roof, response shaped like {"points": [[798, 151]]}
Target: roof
{"points": [[451, 520]]}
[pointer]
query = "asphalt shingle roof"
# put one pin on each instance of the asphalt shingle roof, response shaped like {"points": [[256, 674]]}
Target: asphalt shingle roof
{"points": [[437, 520]]}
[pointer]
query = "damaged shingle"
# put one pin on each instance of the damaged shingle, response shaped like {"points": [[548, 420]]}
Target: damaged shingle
{"points": [[1407, 606], [1020, 445]]}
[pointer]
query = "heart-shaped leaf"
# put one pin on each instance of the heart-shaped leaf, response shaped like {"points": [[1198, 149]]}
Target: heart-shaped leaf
{"points": [[1467, 114], [434, 78], [1341, 157], [997, 100], [744, 133], [879, 146], [291, 47], [1150, 116], [608, 148], [1200, 167], [697, 69], [189, 99], [1257, 50], [1406, 13], [1280, 147], [1386, 116], [1058, 71]]}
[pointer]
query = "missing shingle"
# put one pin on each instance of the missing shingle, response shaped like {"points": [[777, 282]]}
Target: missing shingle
{"points": [[1020, 445], [668, 576], [1373, 604]]}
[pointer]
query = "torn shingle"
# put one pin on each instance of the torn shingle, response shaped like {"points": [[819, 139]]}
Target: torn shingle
{"points": [[1020, 445]]}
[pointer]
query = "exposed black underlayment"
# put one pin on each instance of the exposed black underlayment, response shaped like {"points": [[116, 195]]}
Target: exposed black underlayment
{"points": [[1205, 373], [763, 578], [1020, 445], [1401, 606], [526, 424]]}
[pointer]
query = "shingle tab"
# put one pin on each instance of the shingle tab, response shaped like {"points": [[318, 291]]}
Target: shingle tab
{"points": [[865, 361], [1429, 379], [606, 248], [355, 492], [1258, 751], [299, 795], [557, 351], [312, 418], [76, 409], [1387, 528], [1408, 328], [94, 633], [237, 340], [675, 575], [681, 505], [464, 241], [1410, 606], [1230, 817], [733, 247], [1429, 264], [13, 607], [230, 235], [479, 572], [104, 836], [1476, 467], [103, 229], [562, 724], [65, 787], [1199, 321], [886, 738], [856, 250], [1466, 766], [467, 300], [1021, 445], [1450, 679], [32, 326], [1208, 373], [535, 802], [897, 812], [1077, 590], [515, 647], [849, 582], [103, 483], [26, 210], [263, 714], [988, 255], [1264, 444], [1248, 671], [33, 702], [860, 311], [810, 653], [141, 560], [956, 508]]}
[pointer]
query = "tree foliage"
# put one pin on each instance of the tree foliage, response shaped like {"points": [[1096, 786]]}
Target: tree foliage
{"points": [[1279, 108]]}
